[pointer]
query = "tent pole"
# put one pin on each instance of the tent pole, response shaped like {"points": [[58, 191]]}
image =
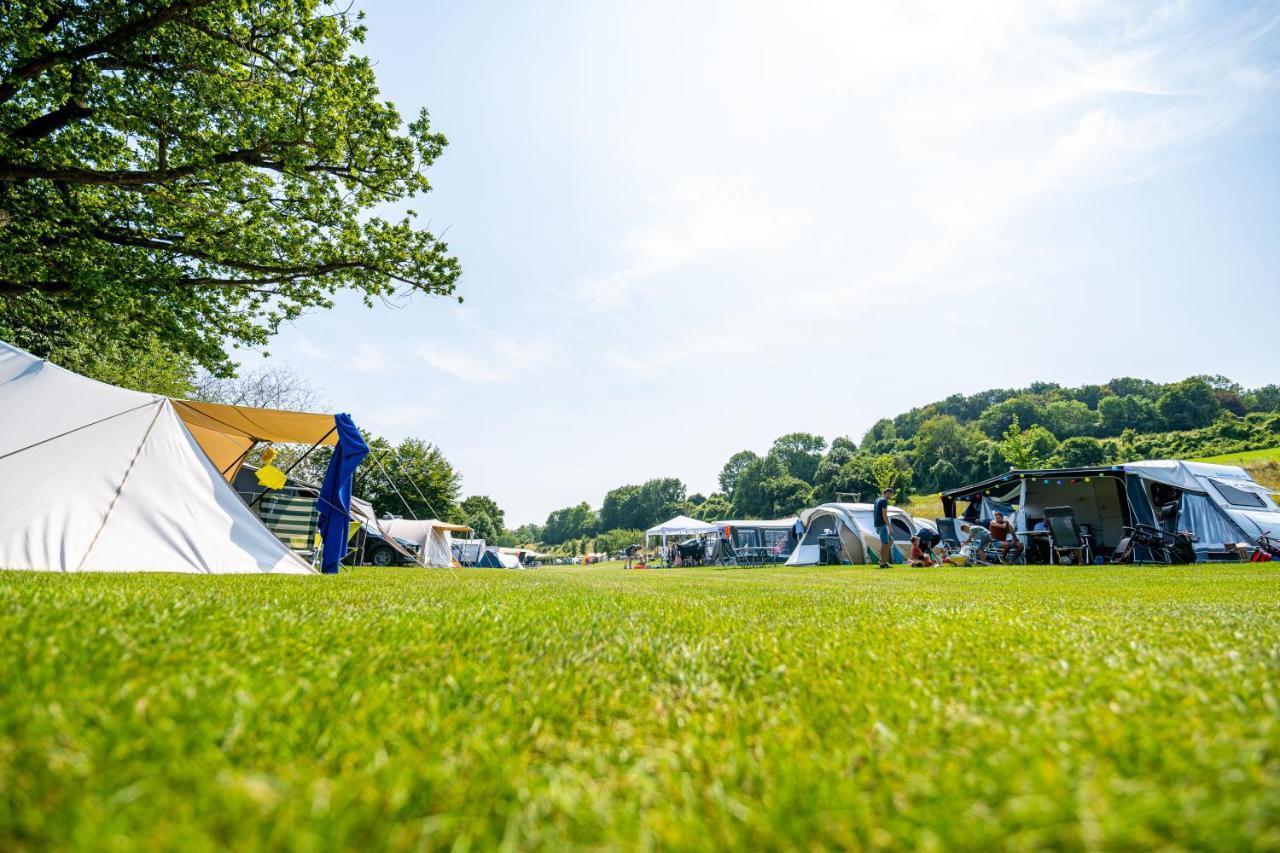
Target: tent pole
{"points": [[297, 461], [240, 459], [408, 508]]}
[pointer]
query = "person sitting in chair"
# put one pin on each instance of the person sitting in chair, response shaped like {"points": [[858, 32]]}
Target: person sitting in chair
{"points": [[1003, 534]]}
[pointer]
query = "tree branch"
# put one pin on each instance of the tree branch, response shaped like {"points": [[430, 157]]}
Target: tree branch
{"points": [[38, 128], [17, 172], [37, 64]]}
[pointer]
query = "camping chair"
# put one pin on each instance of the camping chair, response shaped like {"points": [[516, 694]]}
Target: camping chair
{"points": [[293, 519], [954, 542], [1064, 534], [949, 533]]}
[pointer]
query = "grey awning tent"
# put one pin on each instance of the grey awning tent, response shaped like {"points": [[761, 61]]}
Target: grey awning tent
{"points": [[1221, 505]]}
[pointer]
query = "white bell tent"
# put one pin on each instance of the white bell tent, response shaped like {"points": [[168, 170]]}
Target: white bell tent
{"points": [[95, 478]]}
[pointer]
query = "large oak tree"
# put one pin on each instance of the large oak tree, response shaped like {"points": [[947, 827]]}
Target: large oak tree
{"points": [[190, 173]]}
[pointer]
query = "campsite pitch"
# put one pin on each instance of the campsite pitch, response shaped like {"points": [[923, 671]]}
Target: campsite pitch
{"points": [[1026, 707]]}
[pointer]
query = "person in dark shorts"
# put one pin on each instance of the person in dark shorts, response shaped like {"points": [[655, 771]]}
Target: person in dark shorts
{"points": [[1003, 534], [880, 518]]}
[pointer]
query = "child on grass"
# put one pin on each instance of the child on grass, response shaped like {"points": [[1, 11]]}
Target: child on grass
{"points": [[920, 558]]}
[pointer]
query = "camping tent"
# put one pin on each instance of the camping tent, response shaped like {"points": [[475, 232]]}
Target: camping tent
{"points": [[467, 552], [1220, 504], [227, 433], [494, 558], [852, 525], [95, 478], [433, 537]]}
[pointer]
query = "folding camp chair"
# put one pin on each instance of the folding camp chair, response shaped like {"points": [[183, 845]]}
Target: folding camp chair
{"points": [[1064, 534], [949, 533], [293, 519]]}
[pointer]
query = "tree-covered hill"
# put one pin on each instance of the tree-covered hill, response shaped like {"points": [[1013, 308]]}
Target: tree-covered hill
{"points": [[955, 441]]}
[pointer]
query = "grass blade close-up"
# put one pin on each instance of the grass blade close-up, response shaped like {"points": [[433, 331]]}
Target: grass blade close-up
{"points": [[1076, 707]]}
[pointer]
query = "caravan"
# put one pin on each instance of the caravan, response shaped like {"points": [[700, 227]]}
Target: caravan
{"points": [[1217, 508]]}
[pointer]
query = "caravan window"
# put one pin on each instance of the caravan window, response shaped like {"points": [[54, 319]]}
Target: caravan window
{"points": [[747, 538], [1239, 497]]}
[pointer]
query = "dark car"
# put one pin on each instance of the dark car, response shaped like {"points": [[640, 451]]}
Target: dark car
{"points": [[378, 551]]}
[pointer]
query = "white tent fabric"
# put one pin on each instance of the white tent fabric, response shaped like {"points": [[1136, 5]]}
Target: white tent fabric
{"points": [[507, 559], [433, 537], [95, 478], [853, 524], [681, 525]]}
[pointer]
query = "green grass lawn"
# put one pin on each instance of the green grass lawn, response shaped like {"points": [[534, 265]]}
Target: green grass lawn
{"points": [[1097, 707], [1245, 458]]}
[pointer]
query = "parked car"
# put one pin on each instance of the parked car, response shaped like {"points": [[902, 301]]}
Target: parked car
{"points": [[378, 551]]}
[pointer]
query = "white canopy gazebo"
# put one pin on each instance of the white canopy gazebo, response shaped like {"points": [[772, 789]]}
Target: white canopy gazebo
{"points": [[681, 525]]}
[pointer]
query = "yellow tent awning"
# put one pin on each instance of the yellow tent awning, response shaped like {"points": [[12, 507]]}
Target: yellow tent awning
{"points": [[227, 433]]}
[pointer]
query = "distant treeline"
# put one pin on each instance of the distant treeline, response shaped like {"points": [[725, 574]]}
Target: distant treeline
{"points": [[943, 445]]}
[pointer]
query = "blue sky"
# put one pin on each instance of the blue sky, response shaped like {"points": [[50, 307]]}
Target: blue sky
{"points": [[688, 228]]}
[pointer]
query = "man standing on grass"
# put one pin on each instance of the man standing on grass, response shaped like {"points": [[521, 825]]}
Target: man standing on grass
{"points": [[880, 517]]}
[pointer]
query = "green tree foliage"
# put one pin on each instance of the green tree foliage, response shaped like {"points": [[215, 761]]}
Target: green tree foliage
{"points": [[948, 453], [621, 506], [733, 469], [1082, 451], [525, 534], [612, 541], [142, 366], [643, 506], [799, 453], [573, 522], [890, 471], [1188, 404], [411, 479], [1067, 418], [1264, 399], [750, 500], [852, 475], [716, 507], [482, 514], [1024, 409], [783, 496], [1116, 414], [1030, 448], [190, 173], [882, 437]]}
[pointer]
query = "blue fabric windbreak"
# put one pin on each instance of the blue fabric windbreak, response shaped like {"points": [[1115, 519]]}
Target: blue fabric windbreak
{"points": [[1211, 527], [335, 492]]}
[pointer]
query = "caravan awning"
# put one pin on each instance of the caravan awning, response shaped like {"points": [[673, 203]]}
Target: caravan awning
{"points": [[227, 433]]}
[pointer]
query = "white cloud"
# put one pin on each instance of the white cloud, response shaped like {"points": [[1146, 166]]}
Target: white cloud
{"points": [[303, 345], [691, 220], [370, 358], [488, 357], [887, 151]]}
